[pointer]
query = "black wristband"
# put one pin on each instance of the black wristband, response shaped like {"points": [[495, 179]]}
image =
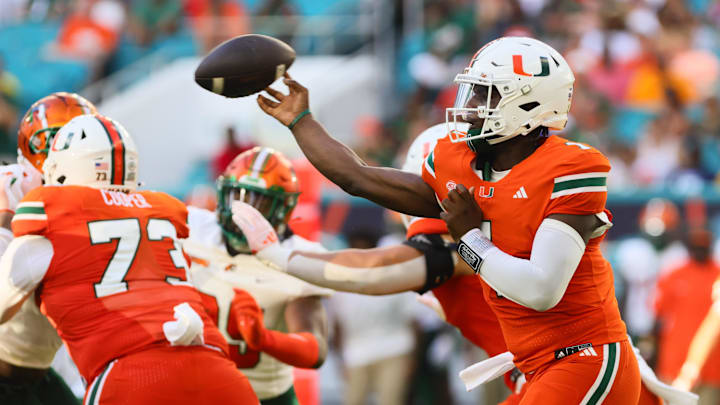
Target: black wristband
{"points": [[439, 264]]}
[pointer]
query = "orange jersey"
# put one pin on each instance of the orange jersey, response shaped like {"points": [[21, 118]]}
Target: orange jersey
{"points": [[683, 300], [117, 269], [560, 177], [476, 322]]}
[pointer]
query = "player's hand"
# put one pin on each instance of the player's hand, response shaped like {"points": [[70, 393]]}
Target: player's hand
{"points": [[285, 107], [15, 182], [249, 318], [461, 212], [257, 230]]}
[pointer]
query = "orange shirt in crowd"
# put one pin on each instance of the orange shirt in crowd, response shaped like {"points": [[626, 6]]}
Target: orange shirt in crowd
{"points": [[683, 298]]}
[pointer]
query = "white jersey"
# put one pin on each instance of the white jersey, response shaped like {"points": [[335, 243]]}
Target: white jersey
{"points": [[28, 339], [640, 265], [215, 273]]}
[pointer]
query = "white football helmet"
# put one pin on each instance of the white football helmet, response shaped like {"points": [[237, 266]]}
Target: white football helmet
{"points": [[514, 85], [92, 150]]}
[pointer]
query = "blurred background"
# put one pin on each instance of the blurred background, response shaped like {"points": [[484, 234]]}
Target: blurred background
{"points": [[379, 72]]}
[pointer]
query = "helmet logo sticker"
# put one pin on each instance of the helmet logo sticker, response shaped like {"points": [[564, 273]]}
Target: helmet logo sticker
{"points": [[67, 139], [518, 67]]}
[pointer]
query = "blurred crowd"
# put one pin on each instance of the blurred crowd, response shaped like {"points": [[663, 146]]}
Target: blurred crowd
{"points": [[647, 94], [646, 75]]}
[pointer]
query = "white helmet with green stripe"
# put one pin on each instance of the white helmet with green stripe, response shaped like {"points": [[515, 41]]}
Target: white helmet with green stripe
{"points": [[512, 86], [92, 150]]}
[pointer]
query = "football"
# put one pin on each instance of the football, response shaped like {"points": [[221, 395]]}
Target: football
{"points": [[244, 65]]}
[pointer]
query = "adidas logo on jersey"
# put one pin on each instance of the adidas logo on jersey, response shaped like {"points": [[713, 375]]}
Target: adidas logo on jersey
{"points": [[566, 351], [520, 193], [588, 352]]}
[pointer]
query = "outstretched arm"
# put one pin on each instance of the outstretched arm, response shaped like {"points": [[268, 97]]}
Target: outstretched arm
{"points": [[391, 188], [421, 263]]}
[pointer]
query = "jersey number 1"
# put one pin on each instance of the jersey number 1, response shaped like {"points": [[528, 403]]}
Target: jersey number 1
{"points": [[127, 233]]}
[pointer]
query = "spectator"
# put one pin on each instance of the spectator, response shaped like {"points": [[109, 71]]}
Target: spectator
{"points": [[683, 299], [278, 18], [151, 19], [233, 147], [9, 92], [90, 33], [214, 21]]}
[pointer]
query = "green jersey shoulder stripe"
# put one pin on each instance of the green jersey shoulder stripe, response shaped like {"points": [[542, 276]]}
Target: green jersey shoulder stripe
{"points": [[29, 210], [579, 183], [430, 163]]}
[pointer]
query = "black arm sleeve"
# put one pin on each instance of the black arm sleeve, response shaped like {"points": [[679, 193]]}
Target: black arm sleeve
{"points": [[438, 258]]}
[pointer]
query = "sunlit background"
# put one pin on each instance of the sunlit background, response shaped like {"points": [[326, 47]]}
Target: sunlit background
{"points": [[379, 72]]}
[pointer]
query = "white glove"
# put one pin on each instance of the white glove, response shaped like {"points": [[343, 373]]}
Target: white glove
{"points": [[187, 329], [14, 183], [260, 235]]}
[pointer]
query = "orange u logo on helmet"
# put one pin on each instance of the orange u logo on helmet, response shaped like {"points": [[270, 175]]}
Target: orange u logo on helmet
{"points": [[518, 66]]}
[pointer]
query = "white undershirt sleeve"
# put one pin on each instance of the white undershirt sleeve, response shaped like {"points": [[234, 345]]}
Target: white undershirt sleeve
{"points": [[6, 236], [22, 268], [540, 282]]}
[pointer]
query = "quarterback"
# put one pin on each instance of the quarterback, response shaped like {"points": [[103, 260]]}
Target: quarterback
{"points": [[422, 262], [104, 263], [272, 321], [528, 210], [28, 342]]}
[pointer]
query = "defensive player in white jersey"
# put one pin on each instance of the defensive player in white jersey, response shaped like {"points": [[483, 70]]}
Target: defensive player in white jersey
{"points": [[271, 320], [28, 342]]}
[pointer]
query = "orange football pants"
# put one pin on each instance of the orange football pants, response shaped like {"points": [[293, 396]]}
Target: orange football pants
{"points": [[190, 375], [609, 376]]}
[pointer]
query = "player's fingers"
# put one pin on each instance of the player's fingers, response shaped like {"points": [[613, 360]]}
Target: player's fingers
{"points": [[448, 204], [462, 192], [294, 85], [275, 93], [454, 196], [266, 104]]}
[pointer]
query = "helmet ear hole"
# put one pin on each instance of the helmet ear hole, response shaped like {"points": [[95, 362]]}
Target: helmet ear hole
{"points": [[61, 179], [529, 106]]}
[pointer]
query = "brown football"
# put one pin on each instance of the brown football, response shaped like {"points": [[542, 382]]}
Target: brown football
{"points": [[244, 65]]}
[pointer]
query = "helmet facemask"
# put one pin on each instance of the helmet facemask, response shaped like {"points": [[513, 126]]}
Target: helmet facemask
{"points": [[273, 203], [478, 103]]}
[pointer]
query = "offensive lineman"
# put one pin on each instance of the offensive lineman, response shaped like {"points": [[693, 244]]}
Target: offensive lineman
{"points": [[112, 278], [540, 202], [28, 342], [272, 321]]}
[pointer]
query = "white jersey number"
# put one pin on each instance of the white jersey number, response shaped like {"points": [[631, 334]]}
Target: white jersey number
{"points": [[128, 235]]}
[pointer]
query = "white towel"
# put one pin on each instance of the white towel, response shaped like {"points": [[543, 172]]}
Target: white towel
{"points": [[669, 394], [486, 370], [187, 328]]}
